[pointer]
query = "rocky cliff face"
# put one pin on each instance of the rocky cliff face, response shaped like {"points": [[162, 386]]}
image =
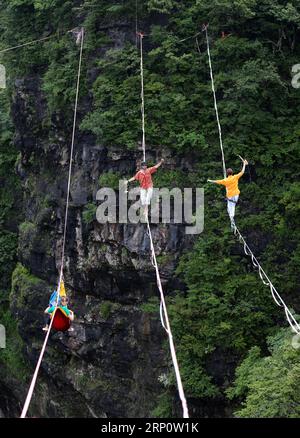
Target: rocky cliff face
{"points": [[112, 363], [116, 361]]}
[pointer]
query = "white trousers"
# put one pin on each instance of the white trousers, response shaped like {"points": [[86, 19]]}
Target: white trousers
{"points": [[146, 195], [231, 203]]}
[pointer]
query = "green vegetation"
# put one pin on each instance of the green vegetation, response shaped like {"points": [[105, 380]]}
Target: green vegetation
{"points": [[60, 79], [12, 363], [170, 179], [225, 313], [115, 119], [89, 213], [270, 384], [9, 187], [11, 357], [110, 179], [28, 237], [21, 275], [107, 307], [164, 407], [151, 306], [8, 247], [164, 259], [163, 6], [228, 310], [22, 284], [27, 227]]}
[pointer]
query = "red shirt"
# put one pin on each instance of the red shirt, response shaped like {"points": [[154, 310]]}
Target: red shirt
{"points": [[145, 178]]}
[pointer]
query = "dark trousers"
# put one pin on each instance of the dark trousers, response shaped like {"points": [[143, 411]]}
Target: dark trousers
{"points": [[46, 318]]}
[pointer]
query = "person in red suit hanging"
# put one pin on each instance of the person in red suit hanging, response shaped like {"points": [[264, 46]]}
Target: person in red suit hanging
{"points": [[64, 306]]}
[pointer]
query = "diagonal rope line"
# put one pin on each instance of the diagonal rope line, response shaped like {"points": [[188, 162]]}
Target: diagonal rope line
{"points": [[267, 282], [166, 325], [262, 274], [163, 308], [215, 98], [35, 375], [71, 155], [37, 368], [26, 44], [8, 49]]}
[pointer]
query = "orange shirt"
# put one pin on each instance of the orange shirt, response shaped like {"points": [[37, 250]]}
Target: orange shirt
{"points": [[144, 177], [231, 183]]}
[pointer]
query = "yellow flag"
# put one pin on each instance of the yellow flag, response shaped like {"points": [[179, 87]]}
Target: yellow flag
{"points": [[62, 290]]}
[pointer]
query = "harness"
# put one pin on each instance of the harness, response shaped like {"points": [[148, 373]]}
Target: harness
{"points": [[231, 200]]}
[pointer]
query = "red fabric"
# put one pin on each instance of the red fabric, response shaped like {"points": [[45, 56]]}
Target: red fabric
{"points": [[145, 178], [61, 322]]}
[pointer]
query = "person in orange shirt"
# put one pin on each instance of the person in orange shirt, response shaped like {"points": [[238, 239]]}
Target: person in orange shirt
{"points": [[232, 189], [144, 176]]}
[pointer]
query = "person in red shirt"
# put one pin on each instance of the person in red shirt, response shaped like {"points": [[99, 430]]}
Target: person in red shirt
{"points": [[144, 176]]}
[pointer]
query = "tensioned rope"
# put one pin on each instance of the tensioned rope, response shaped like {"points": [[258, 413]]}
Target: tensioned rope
{"points": [[136, 23], [8, 49], [35, 375], [215, 98], [167, 327], [36, 371], [267, 282], [163, 307], [71, 155], [142, 96], [26, 44], [262, 274]]}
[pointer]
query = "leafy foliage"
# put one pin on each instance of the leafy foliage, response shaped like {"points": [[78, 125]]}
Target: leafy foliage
{"points": [[226, 308], [116, 99], [60, 78], [89, 213], [225, 311], [110, 179], [8, 247], [163, 6], [9, 186], [270, 384], [107, 308], [11, 358]]}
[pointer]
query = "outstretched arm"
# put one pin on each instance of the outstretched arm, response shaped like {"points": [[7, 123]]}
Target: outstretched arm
{"points": [[159, 164], [245, 163], [154, 168], [217, 181]]}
